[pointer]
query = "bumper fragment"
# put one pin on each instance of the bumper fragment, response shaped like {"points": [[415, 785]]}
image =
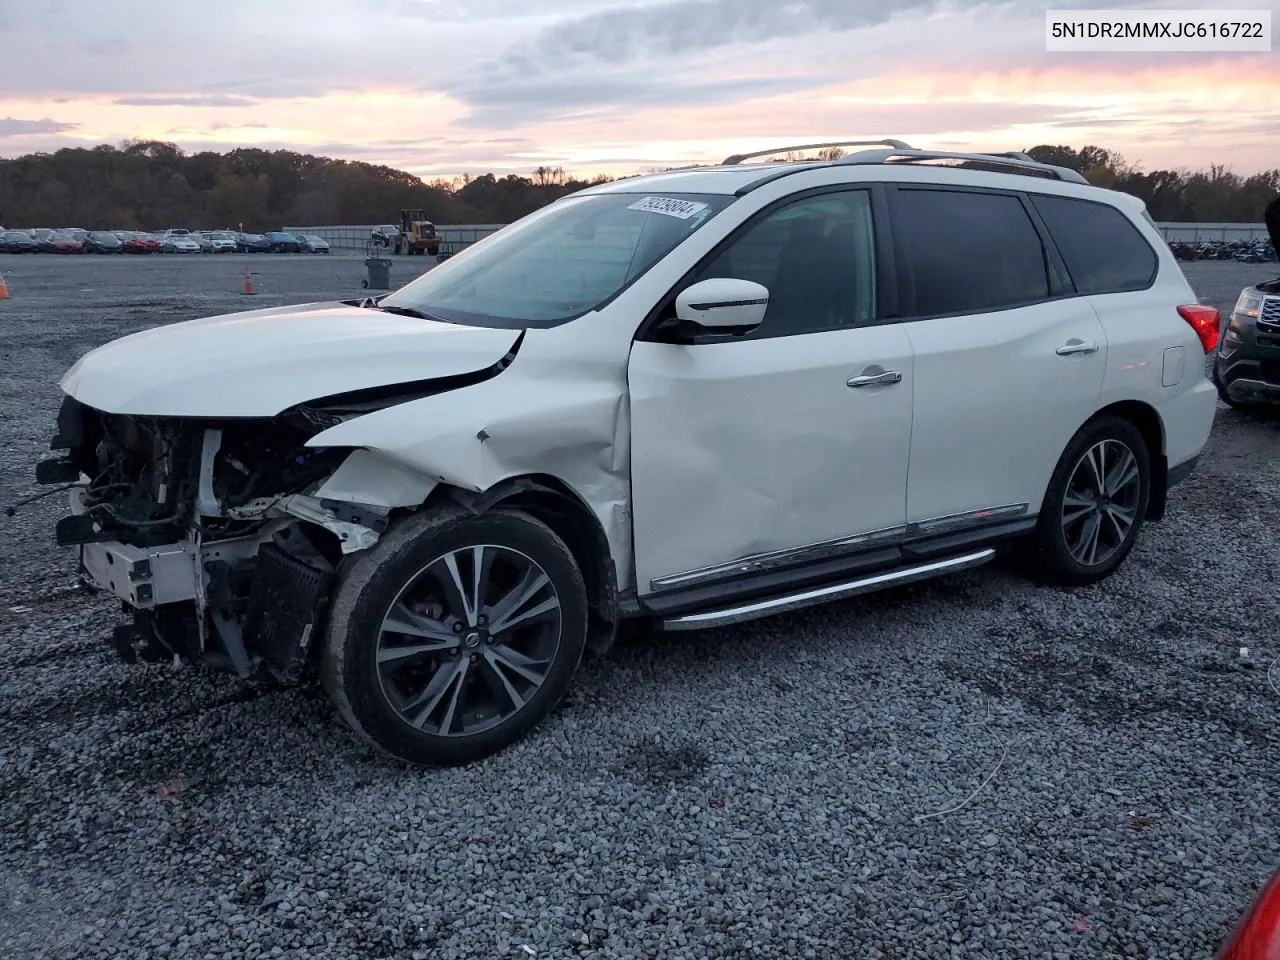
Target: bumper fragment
{"points": [[1247, 390], [143, 577]]}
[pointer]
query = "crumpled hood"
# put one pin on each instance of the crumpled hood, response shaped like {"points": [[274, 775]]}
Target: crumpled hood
{"points": [[260, 362]]}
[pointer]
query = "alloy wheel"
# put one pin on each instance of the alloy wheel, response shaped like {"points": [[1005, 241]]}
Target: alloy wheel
{"points": [[1100, 506], [469, 640]]}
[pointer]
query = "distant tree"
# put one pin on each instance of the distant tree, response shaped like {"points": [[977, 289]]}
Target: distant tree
{"points": [[151, 184]]}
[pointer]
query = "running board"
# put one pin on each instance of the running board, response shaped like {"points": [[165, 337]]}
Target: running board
{"points": [[834, 591]]}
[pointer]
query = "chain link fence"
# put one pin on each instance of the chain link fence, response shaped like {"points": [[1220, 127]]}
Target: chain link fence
{"points": [[456, 237], [355, 237], [1208, 232]]}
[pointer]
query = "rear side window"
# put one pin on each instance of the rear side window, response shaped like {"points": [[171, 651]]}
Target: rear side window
{"points": [[969, 252], [1103, 251]]}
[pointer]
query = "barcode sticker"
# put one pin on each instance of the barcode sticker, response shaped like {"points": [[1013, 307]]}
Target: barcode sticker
{"points": [[681, 209]]}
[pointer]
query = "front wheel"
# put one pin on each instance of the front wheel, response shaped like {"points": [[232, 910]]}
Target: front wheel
{"points": [[1095, 503], [455, 635]]}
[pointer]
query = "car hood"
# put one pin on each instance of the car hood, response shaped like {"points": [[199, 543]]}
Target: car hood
{"points": [[261, 362]]}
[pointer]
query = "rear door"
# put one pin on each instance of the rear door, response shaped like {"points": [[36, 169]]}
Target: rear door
{"points": [[1009, 361], [1155, 356]]}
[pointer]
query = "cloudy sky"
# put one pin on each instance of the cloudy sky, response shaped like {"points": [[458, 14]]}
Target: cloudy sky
{"points": [[440, 87]]}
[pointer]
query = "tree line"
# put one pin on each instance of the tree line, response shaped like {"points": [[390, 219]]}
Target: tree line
{"points": [[1215, 195], [151, 185]]}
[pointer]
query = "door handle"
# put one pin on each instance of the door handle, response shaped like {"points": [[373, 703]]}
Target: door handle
{"points": [[1074, 346], [876, 379]]}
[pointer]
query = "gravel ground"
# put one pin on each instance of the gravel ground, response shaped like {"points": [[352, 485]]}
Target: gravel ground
{"points": [[795, 787]]}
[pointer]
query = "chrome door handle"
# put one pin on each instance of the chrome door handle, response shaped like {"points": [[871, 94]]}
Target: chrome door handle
{"points": [[1076, 346], [875, 379]]}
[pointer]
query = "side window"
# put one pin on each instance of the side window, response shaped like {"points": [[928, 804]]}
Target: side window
{"points": [[969, 252], [816, 256], [1103, 251]]}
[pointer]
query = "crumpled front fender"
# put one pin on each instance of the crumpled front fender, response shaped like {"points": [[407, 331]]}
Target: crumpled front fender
{"points": [[564, 420]]}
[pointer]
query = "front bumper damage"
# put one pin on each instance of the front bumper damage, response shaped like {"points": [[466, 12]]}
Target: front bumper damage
{"points": [[244, 604], [241, 583]]}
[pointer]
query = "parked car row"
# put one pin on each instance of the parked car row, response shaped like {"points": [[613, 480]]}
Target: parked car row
{"points": [[1244, 251], [77, 240]]}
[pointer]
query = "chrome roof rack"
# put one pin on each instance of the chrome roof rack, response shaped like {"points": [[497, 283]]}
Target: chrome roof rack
{"points": [[739, 157], [1018, 161]]}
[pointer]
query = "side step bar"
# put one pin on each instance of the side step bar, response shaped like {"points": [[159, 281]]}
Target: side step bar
{"points": [[834, 591]]}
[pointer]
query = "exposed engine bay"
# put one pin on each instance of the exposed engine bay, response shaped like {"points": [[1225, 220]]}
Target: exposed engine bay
{"points": [[209, 531]]}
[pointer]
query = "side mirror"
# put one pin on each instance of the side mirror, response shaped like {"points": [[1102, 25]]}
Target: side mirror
{"points": [[723, 304]]}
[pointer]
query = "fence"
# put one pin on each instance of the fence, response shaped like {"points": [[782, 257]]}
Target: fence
{"points": [[455, 237], [458, 236], [1201, 232]]}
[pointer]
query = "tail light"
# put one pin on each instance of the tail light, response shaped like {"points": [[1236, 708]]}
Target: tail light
{"points": [[1258, 935], [1205, 321]]}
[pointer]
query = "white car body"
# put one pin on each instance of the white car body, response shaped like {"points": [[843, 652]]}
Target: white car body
{"points": [[563, 407], [702, 462], [179, 243], [220, 242]]}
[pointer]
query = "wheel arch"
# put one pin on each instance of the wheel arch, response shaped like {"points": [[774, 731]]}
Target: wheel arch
{"points": [[1148, 422], [553, 502]]}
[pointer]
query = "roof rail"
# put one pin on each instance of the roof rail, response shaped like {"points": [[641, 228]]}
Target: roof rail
{"points": [[739, 157], [1016, 160]]}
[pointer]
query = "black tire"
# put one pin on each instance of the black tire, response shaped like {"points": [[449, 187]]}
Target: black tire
{"points": [[375, 580], [1056, 534]]}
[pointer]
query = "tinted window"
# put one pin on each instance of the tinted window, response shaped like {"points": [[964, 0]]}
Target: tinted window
{"points": [[969, 252], [1103, 251], [816, 256]]}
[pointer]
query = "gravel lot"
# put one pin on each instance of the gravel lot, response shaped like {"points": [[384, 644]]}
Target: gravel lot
{"points": [[779, 789]]}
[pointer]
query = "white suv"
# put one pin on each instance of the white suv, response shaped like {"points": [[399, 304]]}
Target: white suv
{"points": [[696, 398]]}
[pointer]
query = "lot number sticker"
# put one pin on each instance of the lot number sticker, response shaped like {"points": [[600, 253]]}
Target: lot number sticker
{"points": [[681, 209]]}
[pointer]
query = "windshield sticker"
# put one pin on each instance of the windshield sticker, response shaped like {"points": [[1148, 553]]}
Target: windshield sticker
{"points": [[681, 209]]}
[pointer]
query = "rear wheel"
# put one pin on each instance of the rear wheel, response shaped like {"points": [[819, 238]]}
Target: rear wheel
{"points": [[1095, 504], [455, 635]]}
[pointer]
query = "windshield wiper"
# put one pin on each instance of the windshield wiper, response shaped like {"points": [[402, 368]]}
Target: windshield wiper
{"points": [[409, 312]]}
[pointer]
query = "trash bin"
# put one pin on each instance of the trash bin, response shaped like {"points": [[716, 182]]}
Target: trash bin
{"points": [[379, 273]]}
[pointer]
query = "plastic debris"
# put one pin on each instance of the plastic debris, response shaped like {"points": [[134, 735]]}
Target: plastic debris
{"points": [[170, 789]]}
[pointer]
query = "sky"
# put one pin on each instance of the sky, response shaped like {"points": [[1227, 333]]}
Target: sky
{"points": [[445, 87]]}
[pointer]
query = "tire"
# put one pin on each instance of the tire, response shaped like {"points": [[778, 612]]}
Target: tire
{"points": [[1062, 556], [404, 706]]}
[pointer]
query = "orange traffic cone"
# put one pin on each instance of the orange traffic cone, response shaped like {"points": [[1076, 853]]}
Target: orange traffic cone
{"points": [[248, 288], [4, 288]]}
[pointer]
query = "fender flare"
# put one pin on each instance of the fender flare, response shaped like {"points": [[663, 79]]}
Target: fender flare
{"points": [[565, 512]]}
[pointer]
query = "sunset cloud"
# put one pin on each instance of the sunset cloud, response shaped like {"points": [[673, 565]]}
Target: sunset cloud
{"points": [[441, 87]]}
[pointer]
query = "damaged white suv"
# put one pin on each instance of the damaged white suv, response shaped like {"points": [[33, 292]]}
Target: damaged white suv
{"points": [[696, 398]]}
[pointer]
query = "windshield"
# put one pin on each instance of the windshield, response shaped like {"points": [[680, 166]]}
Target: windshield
{"points": [[560, 262]]}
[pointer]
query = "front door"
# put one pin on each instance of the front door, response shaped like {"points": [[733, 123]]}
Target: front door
{"points": [[792, 436]]}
